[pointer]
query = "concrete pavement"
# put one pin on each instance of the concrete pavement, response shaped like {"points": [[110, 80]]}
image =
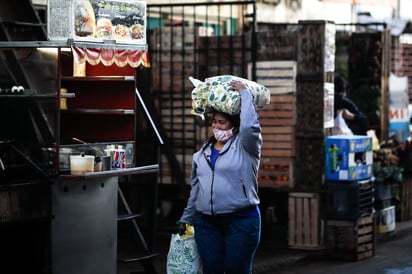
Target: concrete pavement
{"points": [[273, 254]]}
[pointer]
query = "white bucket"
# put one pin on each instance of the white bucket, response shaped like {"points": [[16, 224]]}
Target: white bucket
{"points": [[80, 164]]}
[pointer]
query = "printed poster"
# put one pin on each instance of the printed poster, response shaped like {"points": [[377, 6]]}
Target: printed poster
{"points": [[120, 20]]}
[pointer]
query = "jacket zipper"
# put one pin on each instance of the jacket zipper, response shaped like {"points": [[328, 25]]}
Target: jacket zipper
{"points": [[211, 193], [207, 158], [243, 187]]}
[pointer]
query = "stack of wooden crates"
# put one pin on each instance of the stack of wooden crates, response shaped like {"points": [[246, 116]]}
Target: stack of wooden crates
{"points": [[350, 225], [278, 123], [314, 116]]}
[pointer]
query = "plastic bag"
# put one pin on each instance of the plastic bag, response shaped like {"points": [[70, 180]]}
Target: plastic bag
{"points": [[183, 257], [216, 93], [340, 127]]}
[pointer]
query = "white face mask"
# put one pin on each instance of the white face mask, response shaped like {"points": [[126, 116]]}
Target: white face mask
{"points": [[223, 135]]}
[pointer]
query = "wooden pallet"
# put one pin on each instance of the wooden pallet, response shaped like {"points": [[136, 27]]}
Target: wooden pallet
{"points": [[304, 221], [351, 240]]}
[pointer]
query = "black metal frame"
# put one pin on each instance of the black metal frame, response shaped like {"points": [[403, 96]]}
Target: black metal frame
{"points": [[182, 132]]}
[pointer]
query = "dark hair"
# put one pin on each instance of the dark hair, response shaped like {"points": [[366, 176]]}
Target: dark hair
{"points": [[340, 84], [233, 119]]}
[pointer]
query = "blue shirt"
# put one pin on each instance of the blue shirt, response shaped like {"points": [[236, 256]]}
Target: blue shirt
{"points": [[213, 157]]}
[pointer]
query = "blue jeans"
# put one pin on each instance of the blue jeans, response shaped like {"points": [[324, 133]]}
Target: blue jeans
{"points": [[226, 243]]}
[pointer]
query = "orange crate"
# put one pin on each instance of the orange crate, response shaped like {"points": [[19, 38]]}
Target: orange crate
{"points": [[276, 172]]}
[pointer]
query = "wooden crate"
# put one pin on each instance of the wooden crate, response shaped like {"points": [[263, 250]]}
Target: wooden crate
{"points": [[278, 76], [278, 141], [276, 172], [278, 44], [185, 162], [219, 42], [278, 126], [314, 110], [351, 240], [404, 208], [174, 38], [304, 221], [172, 56], [222, 56], [278, 119], [209, 69], [278, 122], [310, 161], [316, 47], [224, 50], [24, 203]]}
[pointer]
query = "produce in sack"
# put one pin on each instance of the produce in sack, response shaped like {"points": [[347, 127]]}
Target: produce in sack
{"points": [[215, 93]]}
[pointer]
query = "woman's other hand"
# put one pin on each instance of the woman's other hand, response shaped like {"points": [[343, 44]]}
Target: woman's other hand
{"points": [[237, 85]]}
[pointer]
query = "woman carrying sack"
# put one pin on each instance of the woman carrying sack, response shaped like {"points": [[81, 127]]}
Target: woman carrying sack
{"points": [[223, 202]]}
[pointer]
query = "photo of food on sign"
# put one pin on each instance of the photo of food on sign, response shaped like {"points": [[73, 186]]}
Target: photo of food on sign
{"points": [[120, 20]]}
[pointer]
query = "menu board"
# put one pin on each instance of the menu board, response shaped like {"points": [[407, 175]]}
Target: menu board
{"points": [[120, 20]]}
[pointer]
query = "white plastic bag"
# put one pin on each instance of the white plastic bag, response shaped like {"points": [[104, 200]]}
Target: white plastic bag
{"points": [[340, 127], [183, 257]]}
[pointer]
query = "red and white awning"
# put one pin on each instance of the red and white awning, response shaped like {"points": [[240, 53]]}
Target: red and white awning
{"points": [[120, 57]]}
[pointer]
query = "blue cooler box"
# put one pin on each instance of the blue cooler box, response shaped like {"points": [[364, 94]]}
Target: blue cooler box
{"points": [[348, 158]]}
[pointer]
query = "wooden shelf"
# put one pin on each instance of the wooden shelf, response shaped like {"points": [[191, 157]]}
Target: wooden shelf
{"points": [[101, 106], [115, 172], [100, 111], [28, 96], [98, 78]]}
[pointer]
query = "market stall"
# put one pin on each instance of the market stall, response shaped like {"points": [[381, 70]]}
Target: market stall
{"points": [[78, 107]]}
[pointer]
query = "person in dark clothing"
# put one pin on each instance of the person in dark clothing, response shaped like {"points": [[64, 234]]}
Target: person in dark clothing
{"points": [[356, 120]]}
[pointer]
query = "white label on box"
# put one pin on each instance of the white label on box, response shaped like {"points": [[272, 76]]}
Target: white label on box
{"points": [[343, 175]]}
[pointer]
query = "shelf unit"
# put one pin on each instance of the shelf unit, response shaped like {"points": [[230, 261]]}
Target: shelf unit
{"points": [[101, 106]]}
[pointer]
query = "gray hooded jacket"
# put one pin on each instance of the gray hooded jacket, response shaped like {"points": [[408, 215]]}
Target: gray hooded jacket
{"points": [[232, 185]]}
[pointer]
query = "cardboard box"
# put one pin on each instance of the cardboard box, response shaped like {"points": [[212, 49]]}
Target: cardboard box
{"points": [[348, 158]]}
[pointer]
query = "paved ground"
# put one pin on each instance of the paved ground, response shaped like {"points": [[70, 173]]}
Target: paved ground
{"points": [[393, 255]]}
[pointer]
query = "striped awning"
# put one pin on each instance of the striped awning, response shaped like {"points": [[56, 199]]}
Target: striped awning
{"points": [[106, 56]]}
